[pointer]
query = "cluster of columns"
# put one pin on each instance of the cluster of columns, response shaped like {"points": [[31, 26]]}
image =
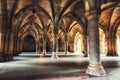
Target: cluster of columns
{"points": [[6, 36]]}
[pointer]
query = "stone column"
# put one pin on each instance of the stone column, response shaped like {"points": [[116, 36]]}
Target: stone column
{"points": [[18, 46], [6, 33], [95, 67], [38, 45], [44, 43], [55, 40], [66, 43], [55, 47], [85, 47], [10, 45], [1, 54], [114, 49], [1, 34], [111, 47], [15, 46], [21, 45], [1, 50]]}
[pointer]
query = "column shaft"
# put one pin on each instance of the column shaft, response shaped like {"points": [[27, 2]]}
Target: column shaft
{"points": [[92, 8], [55, 47], [111, 46], [44, 46], [85, 47], [66, 43], [95, 66], [1, 34]]}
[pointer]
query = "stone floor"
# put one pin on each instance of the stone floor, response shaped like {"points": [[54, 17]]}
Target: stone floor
{"points": [[70, 67]]}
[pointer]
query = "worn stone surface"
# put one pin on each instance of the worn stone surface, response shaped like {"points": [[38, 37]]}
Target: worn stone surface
{"points": [[32, 67]]}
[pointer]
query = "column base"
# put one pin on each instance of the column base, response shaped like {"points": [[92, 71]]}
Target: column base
{"points": [[8, 56], [16, 53], [54, 56], [96, 70], [66, 53], [85, 55]]}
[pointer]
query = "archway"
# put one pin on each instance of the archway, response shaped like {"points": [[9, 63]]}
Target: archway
{"points": [[78, 49], [29, 44], [78, 46], [118, 41], [103, 45]]}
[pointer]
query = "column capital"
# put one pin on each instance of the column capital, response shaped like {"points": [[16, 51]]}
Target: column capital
{"points": [[92, 9], [92, 14]]}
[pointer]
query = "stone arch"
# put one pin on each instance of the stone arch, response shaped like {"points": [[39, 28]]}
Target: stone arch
{"points": [[78, 44], [102, 39], [29, 44]]}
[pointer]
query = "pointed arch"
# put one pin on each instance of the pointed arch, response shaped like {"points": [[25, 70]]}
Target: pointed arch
{"points": [[28, 44], [78, 44]]}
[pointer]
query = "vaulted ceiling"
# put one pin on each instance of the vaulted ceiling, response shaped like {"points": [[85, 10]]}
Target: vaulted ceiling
{"points": [[110, 16], [38, 16]]}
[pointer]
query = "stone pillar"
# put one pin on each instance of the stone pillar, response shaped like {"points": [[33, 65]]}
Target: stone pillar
{"points": [[55, 47], [6, 33], [66, 43], [111, 46], [95, 67], [11, 45], [1, 34], [15, 46], [1, 54], [85, 47], [38, 45], [44, 44], [55, 41], [114, 49], [1, 50], [18, 46]]}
